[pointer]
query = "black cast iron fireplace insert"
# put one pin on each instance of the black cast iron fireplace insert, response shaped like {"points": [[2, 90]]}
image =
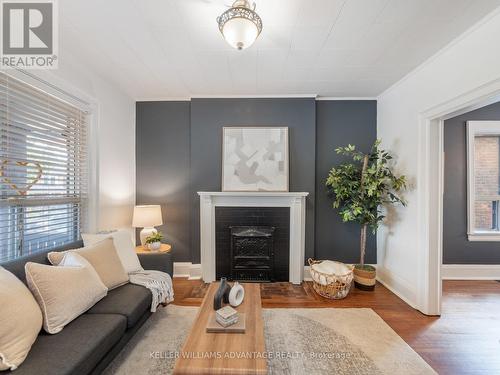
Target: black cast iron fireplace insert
{"points": [[252, 253], [227, 217]]}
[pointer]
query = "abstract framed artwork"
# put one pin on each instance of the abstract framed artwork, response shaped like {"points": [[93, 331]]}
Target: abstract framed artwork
{"points": [[255, 159]]}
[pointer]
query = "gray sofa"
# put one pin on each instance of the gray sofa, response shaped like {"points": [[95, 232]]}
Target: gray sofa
{"points": [[90, 342]]}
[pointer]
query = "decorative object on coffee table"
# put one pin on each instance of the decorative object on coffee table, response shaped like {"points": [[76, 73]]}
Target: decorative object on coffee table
{"points": [[147, 217], [222, 294], [236, 294], [331, 279], [153, 241], [213, 326], [226, 316], [360, 190]]}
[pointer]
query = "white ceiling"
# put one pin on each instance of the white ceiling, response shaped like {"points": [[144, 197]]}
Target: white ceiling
{"points": [[157, 49]]}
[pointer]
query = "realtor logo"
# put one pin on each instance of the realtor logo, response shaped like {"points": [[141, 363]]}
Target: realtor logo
{"points": [[29, 34]]}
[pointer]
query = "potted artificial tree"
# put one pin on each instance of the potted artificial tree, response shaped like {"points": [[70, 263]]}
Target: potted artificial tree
{"points": [[359, 190]]}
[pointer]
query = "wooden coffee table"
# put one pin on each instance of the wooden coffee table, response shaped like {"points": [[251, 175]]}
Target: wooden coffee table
{"points": [[214, 353]]}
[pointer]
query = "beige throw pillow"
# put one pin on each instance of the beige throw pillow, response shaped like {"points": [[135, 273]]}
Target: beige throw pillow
{"points": [[20, 321], [66, 291], [103, 257], [123, 245]]}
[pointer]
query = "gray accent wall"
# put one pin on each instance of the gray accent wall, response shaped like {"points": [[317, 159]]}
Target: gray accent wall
{"points": [[209, 116], [178, 153], [456, 247], [339, 123], [162, 168]]}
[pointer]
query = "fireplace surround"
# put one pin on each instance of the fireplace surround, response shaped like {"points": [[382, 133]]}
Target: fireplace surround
{"points": [[294, 201]]}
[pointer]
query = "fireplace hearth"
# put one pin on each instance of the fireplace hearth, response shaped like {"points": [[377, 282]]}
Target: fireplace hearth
{"points": [[252, 253]]}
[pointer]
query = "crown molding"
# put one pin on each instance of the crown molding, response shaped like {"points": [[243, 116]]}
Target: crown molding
{"points": [[164, 99], [280, 96], [265, 96], [346, 98]]}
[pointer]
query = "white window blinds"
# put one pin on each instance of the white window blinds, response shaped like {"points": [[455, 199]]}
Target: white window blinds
{"points": [[43, 170]]}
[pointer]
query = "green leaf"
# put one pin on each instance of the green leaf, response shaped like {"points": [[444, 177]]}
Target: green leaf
{"points": [[360, 195]]}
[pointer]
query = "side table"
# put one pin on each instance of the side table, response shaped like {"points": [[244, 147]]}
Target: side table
{"points": [[160, 260]]}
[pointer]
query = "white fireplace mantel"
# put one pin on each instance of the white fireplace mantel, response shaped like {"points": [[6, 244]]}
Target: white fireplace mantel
{"points": [[295, 200]]}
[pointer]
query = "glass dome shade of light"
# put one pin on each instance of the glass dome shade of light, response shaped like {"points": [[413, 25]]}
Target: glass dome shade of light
{"points": [[240, 25], [240, 33]]}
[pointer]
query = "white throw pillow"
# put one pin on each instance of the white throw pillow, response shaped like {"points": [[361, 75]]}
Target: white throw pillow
{"points": [[20, 321], [66, 291], [123, 244]]}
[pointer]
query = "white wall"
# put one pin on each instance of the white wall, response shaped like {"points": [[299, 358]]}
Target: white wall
{"points": [[469, 62], [115, 138]]}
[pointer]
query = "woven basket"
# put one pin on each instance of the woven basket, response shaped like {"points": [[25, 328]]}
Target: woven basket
{"points": [[330, 285]]}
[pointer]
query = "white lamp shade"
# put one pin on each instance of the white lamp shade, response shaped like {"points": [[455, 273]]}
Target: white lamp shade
{"points": [[147, 216]]}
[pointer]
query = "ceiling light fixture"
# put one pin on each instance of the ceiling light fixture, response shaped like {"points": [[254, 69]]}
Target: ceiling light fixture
{"points": [[240, 25]]}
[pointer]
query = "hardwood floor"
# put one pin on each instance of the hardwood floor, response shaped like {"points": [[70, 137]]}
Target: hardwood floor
{"points": [[464, 340]]}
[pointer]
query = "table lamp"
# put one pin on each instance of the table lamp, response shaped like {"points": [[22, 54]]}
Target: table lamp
{"points": [[147, 217]]}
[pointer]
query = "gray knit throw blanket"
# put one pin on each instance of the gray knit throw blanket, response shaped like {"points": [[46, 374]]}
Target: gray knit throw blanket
{"points": [[159, 283]]}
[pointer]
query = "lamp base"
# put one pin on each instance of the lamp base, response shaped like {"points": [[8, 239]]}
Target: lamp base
{"points": [[145, 233]]}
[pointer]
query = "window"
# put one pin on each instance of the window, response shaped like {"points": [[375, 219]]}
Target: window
{"points": [[483, 176], [43, 170]]}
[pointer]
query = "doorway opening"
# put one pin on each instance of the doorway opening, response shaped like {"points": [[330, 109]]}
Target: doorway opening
{"points": [[431, 178]]}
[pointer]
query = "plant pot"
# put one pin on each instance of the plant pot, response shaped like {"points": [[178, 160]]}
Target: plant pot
{"points": [[154, 246], [364, 277]]}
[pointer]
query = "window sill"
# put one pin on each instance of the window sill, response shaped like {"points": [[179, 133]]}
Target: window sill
{"points": [[484, 237]]}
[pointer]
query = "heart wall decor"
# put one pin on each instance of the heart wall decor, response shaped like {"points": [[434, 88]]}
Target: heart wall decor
{"points": [[21, 190]]}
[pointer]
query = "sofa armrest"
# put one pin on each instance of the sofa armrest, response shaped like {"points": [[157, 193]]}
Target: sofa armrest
{"points": [[159, 261]]}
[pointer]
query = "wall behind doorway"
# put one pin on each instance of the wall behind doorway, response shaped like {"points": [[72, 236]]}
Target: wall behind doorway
{"points": [[457, 249]]}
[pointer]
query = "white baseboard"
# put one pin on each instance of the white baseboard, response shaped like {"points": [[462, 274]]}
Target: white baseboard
{"points": [[307, 273], [195, 272], [397, 285], [470, 271], [187, 269], [181, 269]]}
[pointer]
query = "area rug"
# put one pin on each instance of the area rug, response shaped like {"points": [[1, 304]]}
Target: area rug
{"points": [[298, 341], [154, 347], [337, 341]]}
